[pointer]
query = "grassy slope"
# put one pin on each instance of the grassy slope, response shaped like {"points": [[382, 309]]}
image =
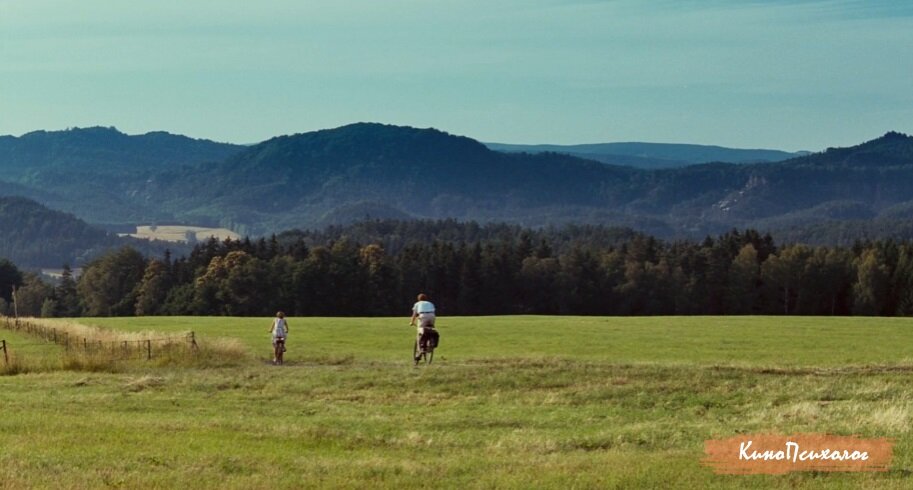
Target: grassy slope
{"points": [[512, 402]]}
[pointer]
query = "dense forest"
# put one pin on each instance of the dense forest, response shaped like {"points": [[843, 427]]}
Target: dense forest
{"points": [[469, 269]]}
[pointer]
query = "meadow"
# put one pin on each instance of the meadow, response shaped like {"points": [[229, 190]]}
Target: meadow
{"points": [[510, 402]]}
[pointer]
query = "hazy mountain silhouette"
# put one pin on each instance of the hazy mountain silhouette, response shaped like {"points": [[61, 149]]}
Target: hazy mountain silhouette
{"points": [[373, 170], [654, 155]]}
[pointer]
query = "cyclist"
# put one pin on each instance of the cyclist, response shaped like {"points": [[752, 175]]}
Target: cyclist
{"points": [[280, 333], [423, 311]]}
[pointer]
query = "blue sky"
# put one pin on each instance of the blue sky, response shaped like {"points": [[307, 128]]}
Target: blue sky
{"points": [[777, 74]]}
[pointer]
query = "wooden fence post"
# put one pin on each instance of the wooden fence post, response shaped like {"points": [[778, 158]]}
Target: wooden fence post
{"points": [[193, 341], [6, 357], [15, 306], [148, 349]]}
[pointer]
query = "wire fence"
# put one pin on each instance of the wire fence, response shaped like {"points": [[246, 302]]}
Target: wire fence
{"points": [[147, 348]]}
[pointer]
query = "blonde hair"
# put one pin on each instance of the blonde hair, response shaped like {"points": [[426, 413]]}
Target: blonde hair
{"points": [[279, 314]]}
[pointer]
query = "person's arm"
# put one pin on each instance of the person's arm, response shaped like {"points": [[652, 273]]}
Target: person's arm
{"points": [[414, 317], [272, 327]]}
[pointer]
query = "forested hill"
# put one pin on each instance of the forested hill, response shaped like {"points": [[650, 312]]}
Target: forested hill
{"points": [[374, 170], [99, 173], [371, 170], [871, 182], [892, 149], [104, 150], [34, 236]]}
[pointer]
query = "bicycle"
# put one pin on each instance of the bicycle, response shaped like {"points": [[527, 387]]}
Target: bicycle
{"points": [[278, 350], [424, 350]]}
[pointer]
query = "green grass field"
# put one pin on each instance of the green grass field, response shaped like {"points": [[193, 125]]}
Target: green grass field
{"points": [[510, 402]]}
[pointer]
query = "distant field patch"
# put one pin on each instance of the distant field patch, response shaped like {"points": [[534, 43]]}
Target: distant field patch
{"points": [[181, 233], [58, 273]]}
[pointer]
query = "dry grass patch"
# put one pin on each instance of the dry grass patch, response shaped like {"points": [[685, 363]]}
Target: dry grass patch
{"points": [[90, 348], [13, 366], [91, 333], [892, 419], [144, 382]]}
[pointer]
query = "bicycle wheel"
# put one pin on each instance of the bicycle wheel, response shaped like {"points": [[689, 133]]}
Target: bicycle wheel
{"points": [[277, 352], [419, 355]]}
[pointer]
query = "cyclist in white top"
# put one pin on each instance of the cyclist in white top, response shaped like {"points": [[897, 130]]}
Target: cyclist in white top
{"points": [[423, 311], [280, 333]]}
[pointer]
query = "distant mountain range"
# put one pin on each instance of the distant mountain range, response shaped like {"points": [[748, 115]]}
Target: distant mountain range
{"points": [[368, 170], [653, 155]]}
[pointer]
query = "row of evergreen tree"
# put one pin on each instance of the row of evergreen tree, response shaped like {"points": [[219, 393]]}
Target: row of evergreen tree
{"points": [[513, 271]]}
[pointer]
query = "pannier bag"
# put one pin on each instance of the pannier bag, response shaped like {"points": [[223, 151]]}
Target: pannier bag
{"points": [[430, 338]]}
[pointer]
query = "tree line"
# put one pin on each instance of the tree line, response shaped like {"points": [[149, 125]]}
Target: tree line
{"points": [[581, 271]]}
